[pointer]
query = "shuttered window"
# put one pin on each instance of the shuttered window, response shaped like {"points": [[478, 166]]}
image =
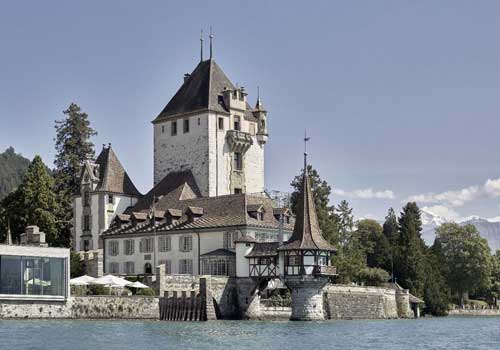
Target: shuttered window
{"points": [[164, 244], [185, 243], [186, 266], [114, 248], [129, 246]]}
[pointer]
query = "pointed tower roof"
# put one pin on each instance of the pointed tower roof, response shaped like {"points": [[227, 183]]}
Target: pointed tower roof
{"points": [[201, 91], [112, 175], [306, 232]]}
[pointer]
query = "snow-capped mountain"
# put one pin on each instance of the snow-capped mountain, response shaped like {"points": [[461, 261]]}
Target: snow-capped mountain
{"points": [[488, 228]]}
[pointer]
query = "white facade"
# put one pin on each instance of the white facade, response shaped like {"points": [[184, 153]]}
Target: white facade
{"points": [[101, 213], [205, 150]]}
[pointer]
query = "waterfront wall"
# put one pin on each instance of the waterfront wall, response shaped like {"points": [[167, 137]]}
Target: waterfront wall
{"points": [[474, 312], [94, 307], [353, 302]]}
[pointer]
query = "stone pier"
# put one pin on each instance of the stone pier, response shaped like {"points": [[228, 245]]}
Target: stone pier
{"points": [[307, 297]]}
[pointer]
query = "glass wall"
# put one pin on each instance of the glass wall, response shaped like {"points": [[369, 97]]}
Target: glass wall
{"points": [[26, 275]]}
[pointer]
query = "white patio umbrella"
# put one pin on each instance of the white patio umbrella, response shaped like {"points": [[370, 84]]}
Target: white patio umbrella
{"points": [[137, 284], [81, 281], [110, 280]]}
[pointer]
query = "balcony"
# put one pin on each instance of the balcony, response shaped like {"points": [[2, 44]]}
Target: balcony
{"points": [[325, 270], [239, 141]]}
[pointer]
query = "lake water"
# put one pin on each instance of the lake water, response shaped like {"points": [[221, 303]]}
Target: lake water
{"points": [[438, 333]]}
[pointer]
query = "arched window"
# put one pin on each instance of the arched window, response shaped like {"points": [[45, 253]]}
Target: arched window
{"points": [[148, 268]]}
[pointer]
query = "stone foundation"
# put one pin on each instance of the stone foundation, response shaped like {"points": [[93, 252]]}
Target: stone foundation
{"points": [[95, 307], [307, 297]]}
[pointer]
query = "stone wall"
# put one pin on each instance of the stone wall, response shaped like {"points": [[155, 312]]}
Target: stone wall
{"points": [[476, 312], [95, 307], [352, 302], [222, 289]]}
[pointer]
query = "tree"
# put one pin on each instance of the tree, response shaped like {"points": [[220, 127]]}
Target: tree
{"points": [[13, 167], [410, 259], [436, 291], [391, 232], [373, 276], [465, 257], [12, 215], [76, 265], [375, 244], [38, 205], [346, 222], [494, 285], [327, 219], [73, 146]]}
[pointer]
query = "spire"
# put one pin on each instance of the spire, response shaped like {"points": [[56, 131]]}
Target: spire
{"points": [[211, 36], [201, 46], [259, 106], [306, 139], [306, 232]]}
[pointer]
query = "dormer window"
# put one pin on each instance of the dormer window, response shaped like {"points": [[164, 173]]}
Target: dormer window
{"points": [[194, 213], [111, 199], [256, 211], [172, 216]]}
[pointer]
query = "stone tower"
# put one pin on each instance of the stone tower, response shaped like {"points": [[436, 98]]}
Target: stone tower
{"points": [[209, 128], [306, 259]]}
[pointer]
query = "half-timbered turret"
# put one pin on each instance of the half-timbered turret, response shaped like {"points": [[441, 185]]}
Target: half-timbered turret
{"points": [[306, 258]]}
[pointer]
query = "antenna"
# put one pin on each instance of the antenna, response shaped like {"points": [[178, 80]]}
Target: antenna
{"points": [[211, 36], [201, 46]]}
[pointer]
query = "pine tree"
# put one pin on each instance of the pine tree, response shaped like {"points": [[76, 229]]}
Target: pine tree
{"points": [[346, 222], [73, 146], [38, 200], [391, 232], [410, 261]]}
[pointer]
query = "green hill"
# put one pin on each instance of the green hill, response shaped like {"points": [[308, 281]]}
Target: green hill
{"points": [[13, 166]]}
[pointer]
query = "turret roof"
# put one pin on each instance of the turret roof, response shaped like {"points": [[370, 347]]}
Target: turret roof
{"points": [[112, 175], [306, 232]]}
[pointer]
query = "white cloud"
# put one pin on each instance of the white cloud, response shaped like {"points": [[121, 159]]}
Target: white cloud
{"points": [[368, 193], [457, 198]]}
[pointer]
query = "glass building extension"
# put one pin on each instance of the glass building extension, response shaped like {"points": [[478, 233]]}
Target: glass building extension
{"points": [[33, 276]]}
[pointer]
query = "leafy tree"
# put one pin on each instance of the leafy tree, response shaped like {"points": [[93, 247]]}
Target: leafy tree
{"points": [[73, 146], [411, 255], [350, 261], [373, 276], [465, 258], [375, 244], [12, 215], [494, 285], [327, 219]]}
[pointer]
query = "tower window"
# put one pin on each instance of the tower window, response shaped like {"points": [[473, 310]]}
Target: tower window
{"points": [[198, 121], [237, 123], [238, 161], [238, 191], [221, 123], [174, 128], [252, 129], [111, 199], [86, 198], [86, 223], [162, 129], [186, 126]]}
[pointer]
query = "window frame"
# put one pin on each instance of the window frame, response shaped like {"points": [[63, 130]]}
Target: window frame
{"points": [[185, 126], [173, 129]]}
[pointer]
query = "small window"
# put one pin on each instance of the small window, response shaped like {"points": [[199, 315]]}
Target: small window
{"points": [[129, 267], [174, 128], [260, 216], [164, 244], [111, 199], [237, 123], [129, 246], [163, 129], [114, 248], [185, 243], [186, 126], [238, 161], [114, 267], [168, 266], [199, 121], [86, 223], [86, 198], [238, 191], [148, 268], [186, 266], [221, 123]]}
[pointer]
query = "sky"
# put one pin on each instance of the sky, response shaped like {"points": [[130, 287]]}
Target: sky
{"points": [[400, 98]]}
